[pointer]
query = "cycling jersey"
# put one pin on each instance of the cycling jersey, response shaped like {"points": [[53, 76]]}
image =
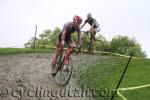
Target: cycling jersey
{"points": [[92, 21], [68, 28]]}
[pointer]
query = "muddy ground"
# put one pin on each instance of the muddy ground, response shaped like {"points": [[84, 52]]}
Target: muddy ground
{"points": [[27, 77]]}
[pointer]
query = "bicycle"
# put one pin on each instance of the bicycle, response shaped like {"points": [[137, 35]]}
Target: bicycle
{"points": [[98, 45], [62, 77]]}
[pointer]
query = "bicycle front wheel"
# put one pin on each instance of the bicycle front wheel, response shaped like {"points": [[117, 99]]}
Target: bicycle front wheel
{"points": [[63, 76]]}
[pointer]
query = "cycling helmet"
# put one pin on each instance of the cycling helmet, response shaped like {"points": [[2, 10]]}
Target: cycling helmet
{"points": [[89, 15], [77, 19]]}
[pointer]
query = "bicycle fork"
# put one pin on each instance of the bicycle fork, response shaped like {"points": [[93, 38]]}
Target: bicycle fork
{"points": [[59, 62]]}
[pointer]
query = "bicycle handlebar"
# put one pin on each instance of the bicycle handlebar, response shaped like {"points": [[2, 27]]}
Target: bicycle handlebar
{"points": [[79, 49]]}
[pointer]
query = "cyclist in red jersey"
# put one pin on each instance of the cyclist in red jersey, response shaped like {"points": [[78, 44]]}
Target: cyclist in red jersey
{"points": [[65, 38]]}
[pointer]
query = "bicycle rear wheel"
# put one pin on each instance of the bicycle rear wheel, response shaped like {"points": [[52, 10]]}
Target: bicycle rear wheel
{"points": [[62, 77]]}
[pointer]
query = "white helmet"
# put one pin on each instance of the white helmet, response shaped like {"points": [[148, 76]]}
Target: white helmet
{"points": [[89, 15]]}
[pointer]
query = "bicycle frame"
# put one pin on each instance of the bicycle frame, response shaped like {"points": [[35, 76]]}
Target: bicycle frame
{"points": [[59, 68], [59, 60], [97, 40]]}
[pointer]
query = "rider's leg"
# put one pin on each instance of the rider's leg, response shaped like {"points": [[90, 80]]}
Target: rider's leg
{"points": [[91, 45], [68, 52], [92, 39], [58, 48], [93, 32]]}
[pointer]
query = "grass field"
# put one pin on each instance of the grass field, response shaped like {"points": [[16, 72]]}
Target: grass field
{"points": [[104, 73], [24, 50]]}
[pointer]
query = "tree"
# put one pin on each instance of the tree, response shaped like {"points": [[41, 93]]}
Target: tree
{"points": [[54, 36], [30, 43], [101, 44], [119, 44], [125, 45], [44, 39], [46, 34]]}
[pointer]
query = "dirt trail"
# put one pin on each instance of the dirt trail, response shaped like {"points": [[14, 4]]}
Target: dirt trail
{"points": [[27, 77]]}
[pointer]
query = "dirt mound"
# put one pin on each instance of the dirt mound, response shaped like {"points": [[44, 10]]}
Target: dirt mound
{"points": [[27, 77]]}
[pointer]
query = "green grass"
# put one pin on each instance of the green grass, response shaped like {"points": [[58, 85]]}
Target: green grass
{"points": [[4, 51], [105, 73], [96, 72]]}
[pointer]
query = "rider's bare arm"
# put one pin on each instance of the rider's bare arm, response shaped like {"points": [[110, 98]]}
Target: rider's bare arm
{"points": [[63, 37], [82, 25]]}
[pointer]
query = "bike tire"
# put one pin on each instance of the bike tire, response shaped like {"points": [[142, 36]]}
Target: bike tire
{"points": [[60, 73]]}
